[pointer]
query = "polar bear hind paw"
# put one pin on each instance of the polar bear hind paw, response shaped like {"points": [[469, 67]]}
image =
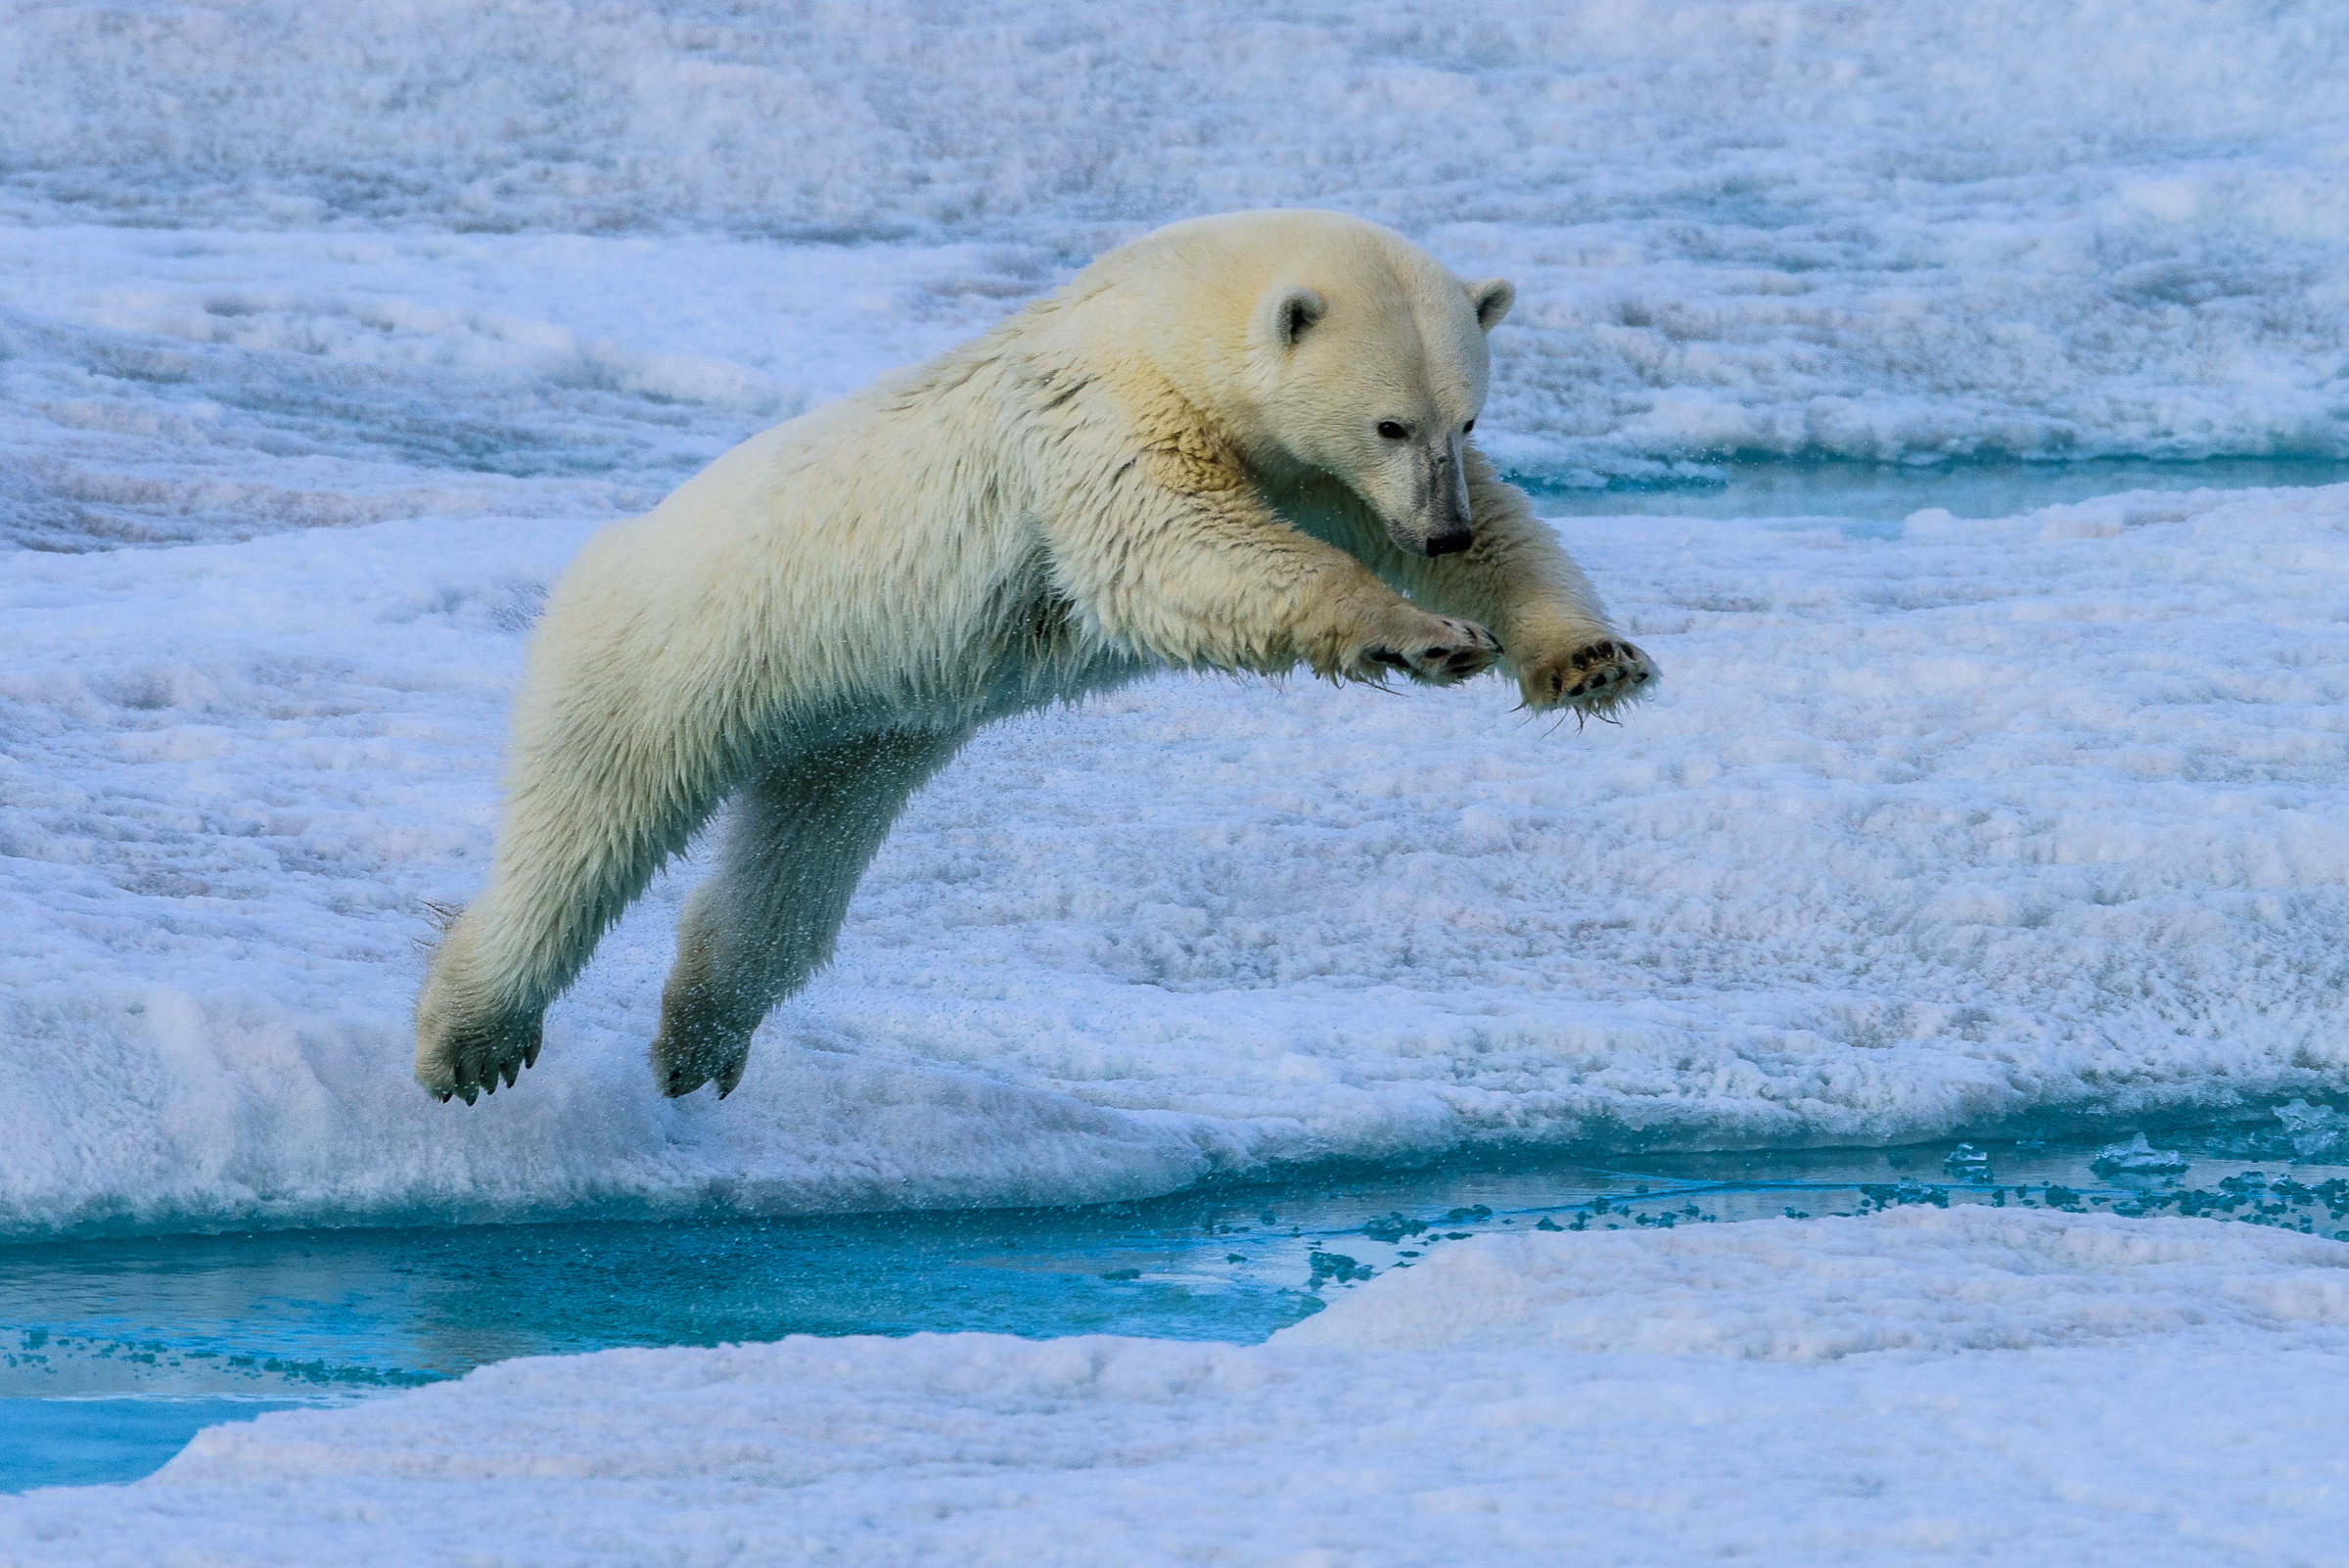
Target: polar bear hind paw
{"points": [[470, 1060], [1594, 679], [689, 1052]]}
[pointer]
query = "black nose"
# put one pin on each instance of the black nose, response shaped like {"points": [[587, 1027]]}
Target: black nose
{"points": [[1451, 543]]}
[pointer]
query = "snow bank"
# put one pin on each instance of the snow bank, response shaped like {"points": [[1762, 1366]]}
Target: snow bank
{"points": [[1928, 831], [1962, 1279], [1876, 230], [2044, 1389]]}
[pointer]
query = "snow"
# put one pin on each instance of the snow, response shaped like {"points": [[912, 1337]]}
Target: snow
{"points": [[168, 386], [1959, 1385], [328, 333]]}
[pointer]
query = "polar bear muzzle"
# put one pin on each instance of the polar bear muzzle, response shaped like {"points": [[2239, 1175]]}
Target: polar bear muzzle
{"points": [[1434, 520], [1446, 510]]}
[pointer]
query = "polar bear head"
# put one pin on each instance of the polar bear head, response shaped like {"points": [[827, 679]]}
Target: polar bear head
{"points": [[1328, 346]]}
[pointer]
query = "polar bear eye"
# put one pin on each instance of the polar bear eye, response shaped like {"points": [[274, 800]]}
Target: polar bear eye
{"points": [[1465, 429], [1392, 431]]}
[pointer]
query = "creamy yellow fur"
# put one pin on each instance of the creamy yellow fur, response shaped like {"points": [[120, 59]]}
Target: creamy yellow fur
{"points": [[1173, 461]]}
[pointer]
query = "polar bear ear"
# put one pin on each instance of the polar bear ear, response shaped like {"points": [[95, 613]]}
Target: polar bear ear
{"points": [[1492, 299], [1287, 312]]}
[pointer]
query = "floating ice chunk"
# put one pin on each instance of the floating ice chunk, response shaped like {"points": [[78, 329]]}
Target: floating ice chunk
{"points": [[2138, 1157], [1885, 1196], [1967, 1163], [1338, 1267], [2316, 1131], [1392, 1227]]}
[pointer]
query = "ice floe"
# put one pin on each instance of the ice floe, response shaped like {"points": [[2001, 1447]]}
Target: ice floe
{"points": [[1924, 1386]]}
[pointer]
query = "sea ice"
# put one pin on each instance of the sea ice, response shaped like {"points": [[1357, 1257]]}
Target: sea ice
{"points": [[326, 333], [1967, 1163], [473, 239]]}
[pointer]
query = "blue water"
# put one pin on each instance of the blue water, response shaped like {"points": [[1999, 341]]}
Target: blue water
{"points": [[1887, 492], [95, 1442]]}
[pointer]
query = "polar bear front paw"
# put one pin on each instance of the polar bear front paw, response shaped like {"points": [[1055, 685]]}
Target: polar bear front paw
{"points": [[1435, 650], [1594, 678]]}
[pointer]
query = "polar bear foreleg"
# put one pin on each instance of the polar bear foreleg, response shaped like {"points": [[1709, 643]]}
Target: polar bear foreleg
{"points": [[765, 920], [1212, 577]]}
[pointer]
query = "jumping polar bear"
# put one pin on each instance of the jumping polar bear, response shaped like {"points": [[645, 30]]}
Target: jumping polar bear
{"points": [[1234, 444]]}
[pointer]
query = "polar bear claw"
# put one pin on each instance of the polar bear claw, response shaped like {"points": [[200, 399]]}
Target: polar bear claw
{"points": [[1435, 650], [1595, 678]]}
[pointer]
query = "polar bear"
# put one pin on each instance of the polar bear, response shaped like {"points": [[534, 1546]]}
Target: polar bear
{"points": [[1238, 444]]}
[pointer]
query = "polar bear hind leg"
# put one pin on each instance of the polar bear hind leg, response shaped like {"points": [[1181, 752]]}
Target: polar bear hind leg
{"points": [[763, 921], [607, 782]]}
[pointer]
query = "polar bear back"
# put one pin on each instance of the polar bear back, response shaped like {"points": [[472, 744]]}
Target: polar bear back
{"points": [[894, 550]]}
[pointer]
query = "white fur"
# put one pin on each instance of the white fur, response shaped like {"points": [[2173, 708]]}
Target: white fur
{"points": [[1173, 461]]}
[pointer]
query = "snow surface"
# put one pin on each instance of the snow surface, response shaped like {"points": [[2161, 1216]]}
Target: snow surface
{"points": [[1926, 831], [1942, 1386], [328, 333]]}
